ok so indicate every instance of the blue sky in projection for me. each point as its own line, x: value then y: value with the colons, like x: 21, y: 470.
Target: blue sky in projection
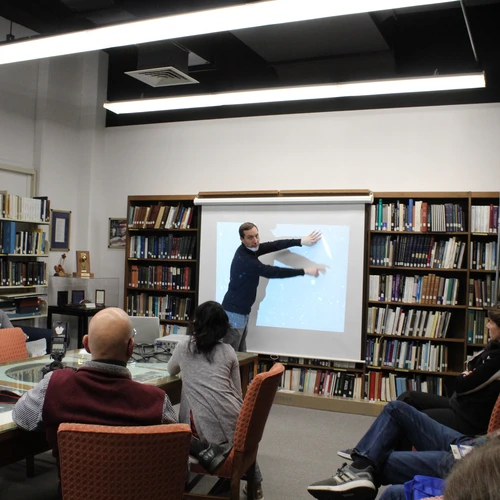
x: 303, y: 302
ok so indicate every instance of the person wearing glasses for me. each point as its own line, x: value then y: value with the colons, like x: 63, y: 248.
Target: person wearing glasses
x: 100, y: 392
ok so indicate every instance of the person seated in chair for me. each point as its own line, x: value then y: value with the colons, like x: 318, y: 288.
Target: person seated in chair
x: 211, y: 395
x: 32, y: 332
x: 467, y: 479
x: 101, y: 391
x: 376, y: 462
x: 469, y: 408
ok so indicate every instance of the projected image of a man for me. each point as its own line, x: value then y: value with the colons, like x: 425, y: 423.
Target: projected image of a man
x: 246, y: 269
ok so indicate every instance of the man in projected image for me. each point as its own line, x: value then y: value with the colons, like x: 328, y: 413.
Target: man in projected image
x: 246, y: 269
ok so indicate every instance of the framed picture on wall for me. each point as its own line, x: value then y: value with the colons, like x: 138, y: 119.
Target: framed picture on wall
x: 60, y: 230
x: 117, y: 232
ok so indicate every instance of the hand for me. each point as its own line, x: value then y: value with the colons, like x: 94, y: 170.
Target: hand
x: 311, y: 239
x: 312, y: 271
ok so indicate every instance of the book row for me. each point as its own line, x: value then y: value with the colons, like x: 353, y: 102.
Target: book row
x: 407, y: 355
x: 318, y: 362
x: 21, y: 307
x: 162, y: 247
x: 484, y: 219
x: 22, y: 273
x: 482, y: 291
x: 16, y: 207
x: 322, y: 382
x: 477, y: 333
x: 160, y: 216
x: 417, y: 216
x: 412, y: 322
x: 428, y: 289
x: 160, y: 277
x: 168, y: 307
x: 416, y: 251
x: 387, y: 388
x: 32, y: 242
x: 483, y: 256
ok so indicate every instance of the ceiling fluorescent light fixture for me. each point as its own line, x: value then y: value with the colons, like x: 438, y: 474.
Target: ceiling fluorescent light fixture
x: 380, y: 87
x: 196, y: 23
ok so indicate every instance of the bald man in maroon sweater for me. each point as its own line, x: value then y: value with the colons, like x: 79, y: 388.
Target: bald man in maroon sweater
x: 100, y: 392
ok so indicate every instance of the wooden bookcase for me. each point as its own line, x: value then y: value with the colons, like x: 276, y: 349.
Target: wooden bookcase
x: 423, y: 318
x: 24, y: 243
x: 161, y: 268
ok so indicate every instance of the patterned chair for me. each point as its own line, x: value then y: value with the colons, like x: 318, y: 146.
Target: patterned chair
x: 248, y: 434
x: 12, y: 345
x: 124, y: 463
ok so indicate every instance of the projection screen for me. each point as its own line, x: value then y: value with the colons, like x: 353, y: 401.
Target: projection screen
x: 302, y: 316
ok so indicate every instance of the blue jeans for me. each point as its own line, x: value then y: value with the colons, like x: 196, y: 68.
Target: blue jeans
x: 430, y: 438
x: 395, y: 492
x: 237, y: 334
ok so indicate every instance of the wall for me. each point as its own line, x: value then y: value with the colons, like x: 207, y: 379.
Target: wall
x: 452, y: 148
x: 52, y: 120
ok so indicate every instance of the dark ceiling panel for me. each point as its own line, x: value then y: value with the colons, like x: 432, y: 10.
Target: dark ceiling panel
x: 405, y: 42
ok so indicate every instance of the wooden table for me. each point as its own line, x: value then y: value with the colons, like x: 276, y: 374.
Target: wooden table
x: 16, y: 444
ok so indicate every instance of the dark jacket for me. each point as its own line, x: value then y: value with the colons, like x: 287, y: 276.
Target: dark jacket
x: 246, y: 269
x: 475, y: 394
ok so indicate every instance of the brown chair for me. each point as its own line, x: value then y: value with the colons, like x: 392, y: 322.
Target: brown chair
x: 123, y: 463
x: 247, y: 436
x: 12, y: 345
x: 495, y: 417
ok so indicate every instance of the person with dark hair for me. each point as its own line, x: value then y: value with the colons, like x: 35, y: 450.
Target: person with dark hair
x: 246, y: 270
x: 469, y: 408
x: 211, y: 395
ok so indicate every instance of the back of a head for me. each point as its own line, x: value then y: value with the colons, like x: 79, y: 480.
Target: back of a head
x: 109, y: 334
x: 209, y: 326
x: 477, y: 475
x: 494, y: 314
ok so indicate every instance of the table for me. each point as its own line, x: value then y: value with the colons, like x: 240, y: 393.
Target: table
x: 16, y: 444
x: 81, y: 312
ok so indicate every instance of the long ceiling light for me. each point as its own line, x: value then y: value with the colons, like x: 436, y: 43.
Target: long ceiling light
x: 379, y: 87
x: 195, y: 23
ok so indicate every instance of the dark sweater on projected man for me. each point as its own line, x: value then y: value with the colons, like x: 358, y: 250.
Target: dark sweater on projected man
x: 246, y: 269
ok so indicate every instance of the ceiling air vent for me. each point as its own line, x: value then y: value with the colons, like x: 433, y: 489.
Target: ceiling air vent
x: 162, y: 77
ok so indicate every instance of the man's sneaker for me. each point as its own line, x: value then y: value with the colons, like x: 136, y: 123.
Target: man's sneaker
x: 258, y: 495
x: 351, y: 483
x: 345, y: 454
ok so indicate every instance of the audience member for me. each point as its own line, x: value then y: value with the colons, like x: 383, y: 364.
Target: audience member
x: 376, y: 462
x: 100, y: 392
x: 476, y: 389
x: 211, y: 396
x: 467, y: 479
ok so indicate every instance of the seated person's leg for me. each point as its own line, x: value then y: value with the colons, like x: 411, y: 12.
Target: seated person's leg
x: 402, y: 466
x: 395, y: 492
x: 423, y: 400
x: 35, y: 333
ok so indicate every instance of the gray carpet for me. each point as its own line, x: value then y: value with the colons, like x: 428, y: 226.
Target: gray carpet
x: 298, y: 448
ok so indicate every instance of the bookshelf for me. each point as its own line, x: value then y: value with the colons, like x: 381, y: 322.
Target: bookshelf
x: 432, y: 273
x: 161, y: 268
x: 24, y: 244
